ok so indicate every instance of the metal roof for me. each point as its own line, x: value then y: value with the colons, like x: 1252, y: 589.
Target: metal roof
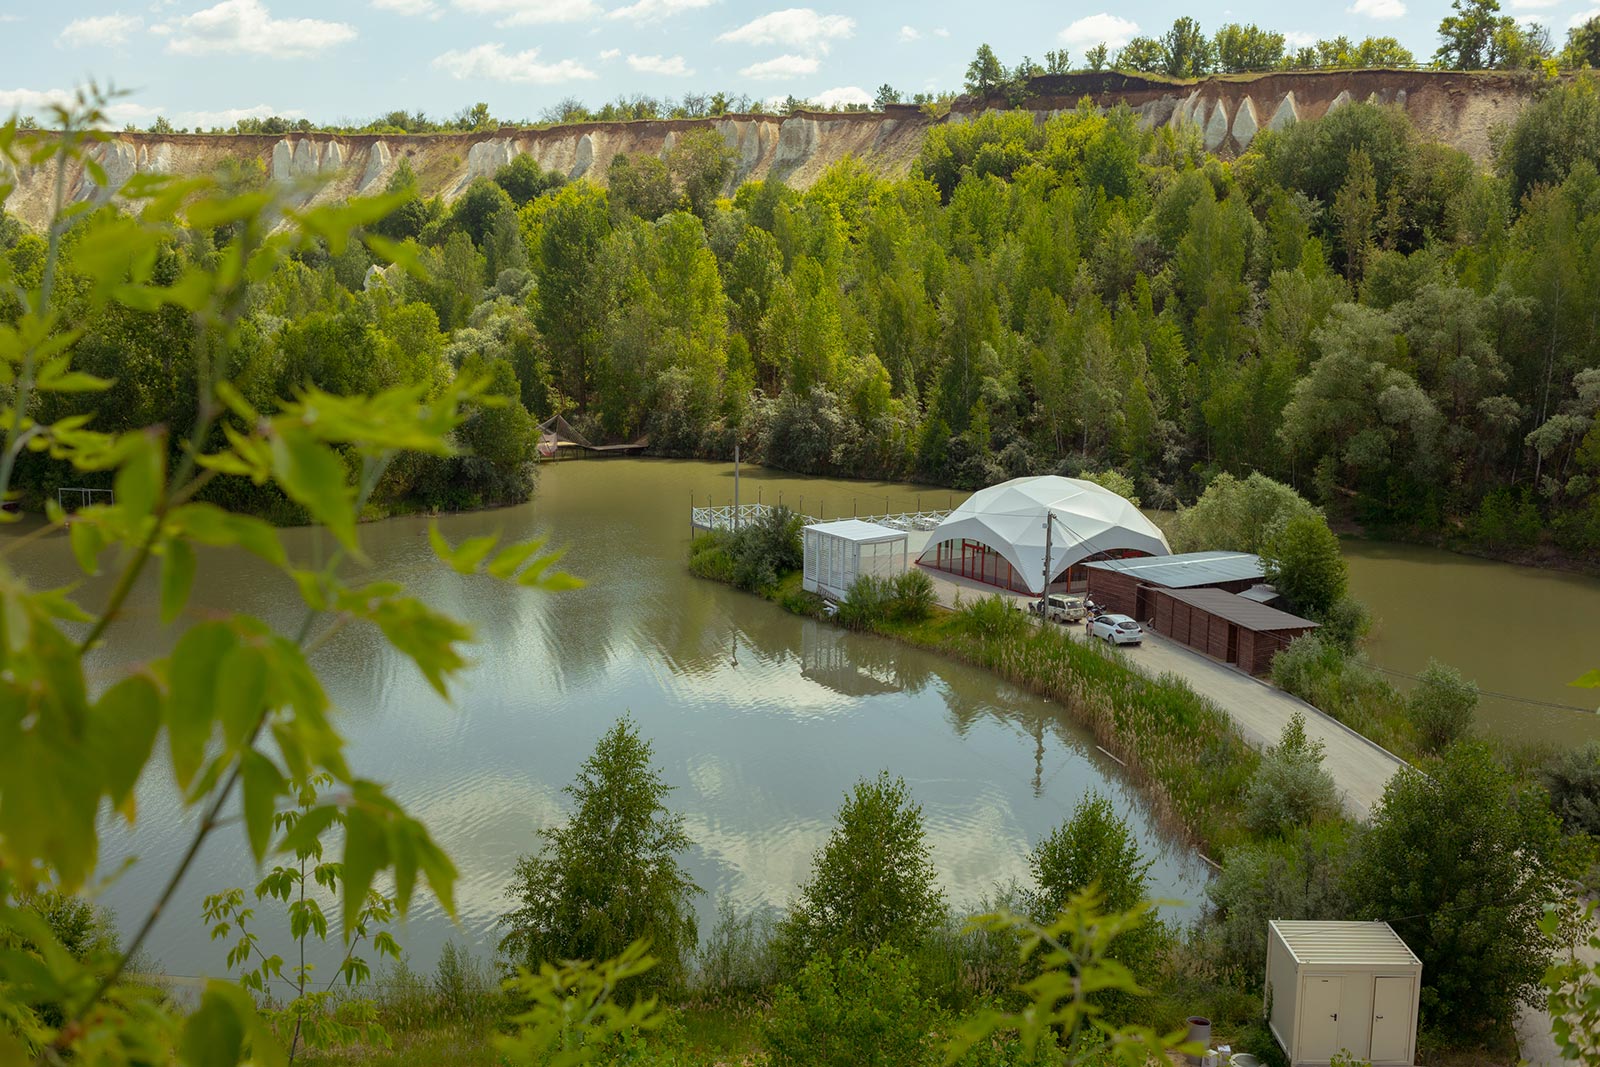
x: 862, y: 533
x: 1261, y: 594
x: 1236, y: 609
x: 1187, y: 569
x: 1320, y: 943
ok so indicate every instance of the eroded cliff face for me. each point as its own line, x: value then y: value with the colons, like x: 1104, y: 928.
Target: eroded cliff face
x: 1228, y: 111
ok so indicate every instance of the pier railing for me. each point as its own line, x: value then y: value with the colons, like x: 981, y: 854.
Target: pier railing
x: 732, y: 517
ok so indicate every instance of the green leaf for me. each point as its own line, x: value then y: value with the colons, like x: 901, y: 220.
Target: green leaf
x: 88, y: 540
x: 211, y: 525
x: 139, y: 481
x: 313, y: 476
x: 263, y: 785
x: 191, y: 709
x: 214, y: 1035
x: 264, y: 1048
x: 1588, y: 681
x: 465, y: 557
x: 366, y: 852
x: 241, y: 694
x: 504, y: 565
x: 122, y: 732
x: 177, y: 579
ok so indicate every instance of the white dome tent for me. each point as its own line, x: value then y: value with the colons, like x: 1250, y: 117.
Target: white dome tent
x: 997, y: 535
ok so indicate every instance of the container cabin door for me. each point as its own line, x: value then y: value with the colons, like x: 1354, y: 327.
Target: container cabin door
x: 1321, y: 996
x: 1391, y: 1020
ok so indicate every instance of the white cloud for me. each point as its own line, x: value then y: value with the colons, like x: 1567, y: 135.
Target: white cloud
x: 909, y: 33
x: 1583, y: 16
x: 799, y: 27
x: 1378, y: 9
x: 651, y: 10
x: 38, y: 102
x: 531, y: 12
x: 781, y: 67
x: 610, y: 53
x: 1533, y: 5
x: 1090, y: 30
x: 941, y: 32
x: 487, y: 61
x: 228, y: 116
x: 844, y: 94
x: 10, y: 18
x: 671, y: 66
x: 104, y: 30
x: 1294, y: 39
x: 409, y: 7
x: 246, y: 27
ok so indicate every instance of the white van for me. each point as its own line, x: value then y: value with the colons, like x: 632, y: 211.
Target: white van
x: 1059, y: 608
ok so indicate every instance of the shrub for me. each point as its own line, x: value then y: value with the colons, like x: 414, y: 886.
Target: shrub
x: 462, y: 987
x: 872, y: 883
x: 1298, y: 878
x: 611, y: 875
x: 853, y: 1010
x: 1290, y: 788
x: 1442, y: 705
x: 1572, y: 778
x: 1238, y: 515
x: 1464, y: 860
x: 1345, y: 624
x: 867, y: 603
x: 766, y: 549
x: 914, y: 597
x: 992, y: 618
x: 738, y: 958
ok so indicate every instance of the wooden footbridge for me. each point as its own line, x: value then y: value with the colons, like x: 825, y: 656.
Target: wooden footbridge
x: 556, y: 435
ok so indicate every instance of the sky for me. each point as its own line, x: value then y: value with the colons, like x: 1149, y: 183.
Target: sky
x: 204, y: 63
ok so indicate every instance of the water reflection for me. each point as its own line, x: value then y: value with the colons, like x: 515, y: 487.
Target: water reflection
x: 760, y: 720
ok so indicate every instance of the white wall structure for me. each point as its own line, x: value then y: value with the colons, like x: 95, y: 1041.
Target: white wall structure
x: 1342, y: 987
x: 836, y: 553
x: 997, y: 535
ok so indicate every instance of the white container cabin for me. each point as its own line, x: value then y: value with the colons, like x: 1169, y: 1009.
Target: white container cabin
x: 1350, y: 988
x: 836, y: 553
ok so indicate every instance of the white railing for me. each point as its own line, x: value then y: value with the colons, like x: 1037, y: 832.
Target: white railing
x: 71, y: 498
x: 730, y: 517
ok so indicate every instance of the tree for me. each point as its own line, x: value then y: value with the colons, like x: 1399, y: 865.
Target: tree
x: 1095, y: 57
x: 1441, y: 706
x: 1057, y: 61
x: 701, y: 162
x: 640, y: 185
x: 1095, y: 848
x: 1583, y: 45
x: 610, y: 876
x: 1572, y: 778
x: 1238, y: 515
x: 887, y: 94
x: 1463, y: 861
x: 1301, y: 876
x: 525, y: 181
x: 1468, y: 38
x: 1185, y: 50
x: 984, y: 72
x: 872, y: 883
x: 1356, y: 209
x: 1240, y: 48
x: 1304, y: 563
x: 1142, y: 54
x: 1290, y: 788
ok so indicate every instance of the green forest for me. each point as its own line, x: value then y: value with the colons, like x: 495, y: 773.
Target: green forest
x: 1407, y: 339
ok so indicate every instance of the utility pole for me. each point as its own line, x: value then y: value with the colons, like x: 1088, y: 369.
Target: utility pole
x: 1047, y: 518
x: 736, y: 484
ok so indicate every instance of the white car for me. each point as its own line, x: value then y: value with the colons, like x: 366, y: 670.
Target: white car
x: 1116, y: 630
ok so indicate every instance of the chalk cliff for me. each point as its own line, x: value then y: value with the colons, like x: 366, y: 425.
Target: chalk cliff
x: 1228, y: 111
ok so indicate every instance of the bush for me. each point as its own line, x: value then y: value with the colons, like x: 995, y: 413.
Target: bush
x: 1290, y: 788
x: 872, y: 883
x: 993, y: 618
x: 853, y: 1010
x: 1298, y: 878
x: 611, y: 875
x: 765, y: 550
x: 462, y: 987
x: 1093, y: 848
x: 1345, y: 624
x: 867, y: 603
x: 1572, y: 778
x: 1238, y: 515
x: 738, y: 958
x: 1442, y: 706
x: 914, y: 597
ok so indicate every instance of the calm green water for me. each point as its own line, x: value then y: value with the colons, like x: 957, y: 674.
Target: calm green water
x: 760, y: 720
x: 1518, y: 631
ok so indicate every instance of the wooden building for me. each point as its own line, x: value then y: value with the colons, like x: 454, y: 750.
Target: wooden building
x: 1124, y: 585
x: 1227, y: 627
